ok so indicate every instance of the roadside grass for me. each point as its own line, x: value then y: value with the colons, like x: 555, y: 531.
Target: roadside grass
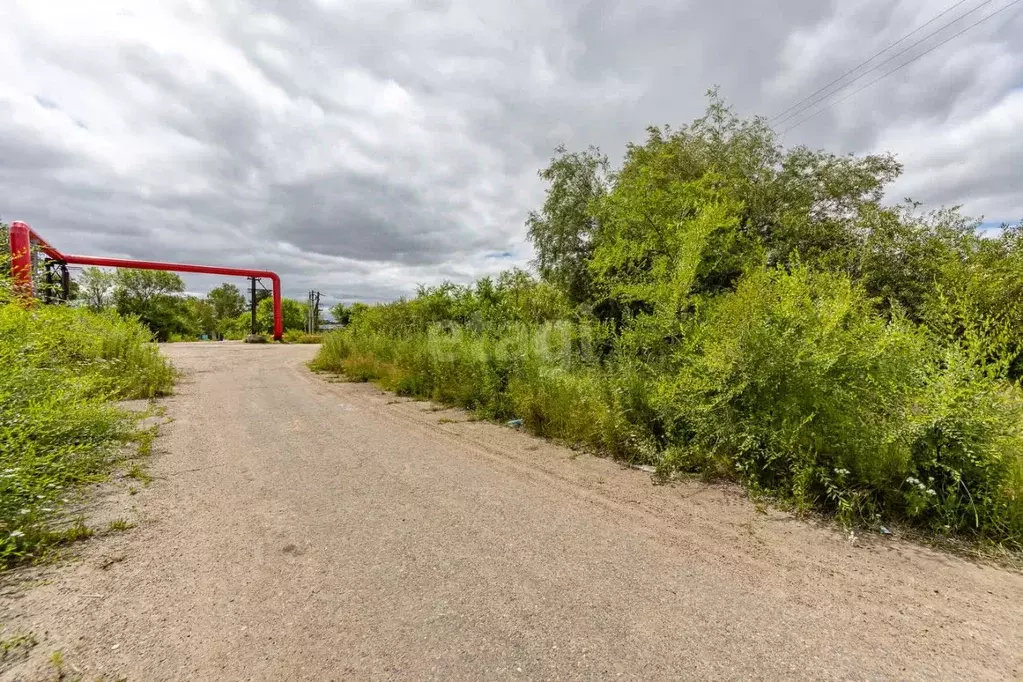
x: 295, y: 336
x: 63, y: 371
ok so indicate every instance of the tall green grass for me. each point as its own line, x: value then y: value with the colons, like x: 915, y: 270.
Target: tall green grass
x: 792, y: 383
x: 61, y: 371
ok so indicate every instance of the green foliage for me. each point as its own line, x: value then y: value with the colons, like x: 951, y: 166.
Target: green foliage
x: 723, y: 306
x: 978, y: 299
x: 139, y: 287
x: 292, y: 311
x: 794, y: 201
x: 238, y: 327
x: 227, y: 301
x: 563, y: 231
x: 202, y: 317
x: 95, y: 288
x: 796, y: 381
x: 152, y: 297
x: 228, y: 304
x: 61, y: 368
x: 341, y: 313
x: 657, y: 235
x: 296, y: 336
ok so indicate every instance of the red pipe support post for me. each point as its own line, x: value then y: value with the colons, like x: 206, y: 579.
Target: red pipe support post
x: 21, y: 258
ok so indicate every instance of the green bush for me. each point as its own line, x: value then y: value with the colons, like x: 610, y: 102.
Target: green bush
x: 801, y: 386
x: 61, y: 370
x: 794, y: 370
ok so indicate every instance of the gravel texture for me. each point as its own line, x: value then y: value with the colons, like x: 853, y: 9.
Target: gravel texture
x: 299, y: 529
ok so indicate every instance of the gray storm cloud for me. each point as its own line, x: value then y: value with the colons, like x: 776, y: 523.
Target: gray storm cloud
x: 362, y: 147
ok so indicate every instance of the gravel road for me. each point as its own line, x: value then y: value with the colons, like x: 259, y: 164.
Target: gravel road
x: 299, y: 529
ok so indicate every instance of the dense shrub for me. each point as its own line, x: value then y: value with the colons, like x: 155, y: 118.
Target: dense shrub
x: 801, y: 386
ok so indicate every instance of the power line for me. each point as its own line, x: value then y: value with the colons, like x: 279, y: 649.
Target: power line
x: 899, y: 67
x: 870, y: 59
x: 898, y: 54
x: 782, y: 119
x: 1008, y: 20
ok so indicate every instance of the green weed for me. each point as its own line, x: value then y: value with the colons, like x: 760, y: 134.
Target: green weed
x: 137, y: 472
x: 119, y: 525
x: 60, y: 427
x: 16, y: 646
x: 144, y: 438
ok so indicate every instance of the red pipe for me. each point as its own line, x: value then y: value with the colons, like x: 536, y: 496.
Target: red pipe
x: 22, y: 267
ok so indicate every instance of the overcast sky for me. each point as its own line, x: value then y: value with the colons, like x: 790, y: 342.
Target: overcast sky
x: 360, y: 147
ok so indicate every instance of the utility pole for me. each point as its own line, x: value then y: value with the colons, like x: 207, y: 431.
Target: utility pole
x: 312, y: 312
x: 253, y: 305
x: 316, y: 314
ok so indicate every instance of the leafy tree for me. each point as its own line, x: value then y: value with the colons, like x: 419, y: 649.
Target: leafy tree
x: 239, y: 327
x: 563, y: 231
x: 901, y: 255
x: 519, y: 296
x: 227, y: 301
x: 976, y: 299
x: 356, y: 309
x: 95, y: 287
x: 665, y: 239
x: 203, y: 316
x: 151, y: 296
x: 815, y: 203
x: 799, y: 201
x: 341, y: 313
x: 228, y: 304
x: 292, y: 311
x: 139, y: 287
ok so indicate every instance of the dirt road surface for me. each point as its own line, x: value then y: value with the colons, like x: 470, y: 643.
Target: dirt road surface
x: 299, y: 529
